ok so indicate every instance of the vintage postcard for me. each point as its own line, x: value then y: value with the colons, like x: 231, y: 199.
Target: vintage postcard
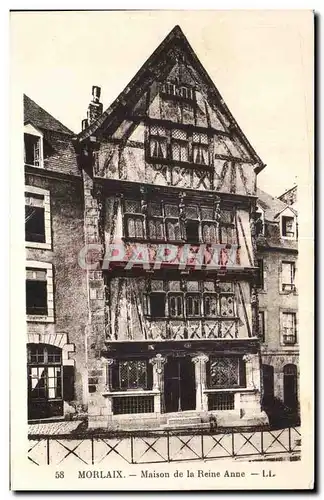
x: 162, y: 233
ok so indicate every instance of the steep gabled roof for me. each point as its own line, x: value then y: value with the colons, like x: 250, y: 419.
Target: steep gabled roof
x: 294, y: 188
x: 271, y: 205
x: 40, y: 118
x: 152, y: 67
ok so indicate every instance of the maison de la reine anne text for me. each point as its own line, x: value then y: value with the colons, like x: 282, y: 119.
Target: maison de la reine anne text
x: 184, y: 311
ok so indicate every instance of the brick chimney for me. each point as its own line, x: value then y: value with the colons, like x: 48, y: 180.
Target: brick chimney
x: 95, y: 106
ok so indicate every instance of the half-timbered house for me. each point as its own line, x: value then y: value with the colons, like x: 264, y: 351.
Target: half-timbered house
x: 169, y: 183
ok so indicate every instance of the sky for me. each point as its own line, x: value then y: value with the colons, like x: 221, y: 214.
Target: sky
x: 260, y: 61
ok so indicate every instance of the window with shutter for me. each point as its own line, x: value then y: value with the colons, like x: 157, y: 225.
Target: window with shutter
x: 37, y: 218
x: 36, y: 292
x: 34, y: 218
x: 289, y: 328
x: 262, y: 325
x: 260, y: 275
x: 288, y: 276
x: 39, y: 292
x: 32, y: 150
x: 288, y: 227
x: 45, y: 377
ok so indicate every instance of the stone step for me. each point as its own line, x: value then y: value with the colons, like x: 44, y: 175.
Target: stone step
x: 184, y: 420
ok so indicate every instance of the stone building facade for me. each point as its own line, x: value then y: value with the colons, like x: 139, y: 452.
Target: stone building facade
x: 56, y: 298
x: 152, y: 262
x: 278, y: 305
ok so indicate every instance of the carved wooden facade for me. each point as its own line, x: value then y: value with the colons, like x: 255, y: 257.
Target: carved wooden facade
x: 170, y: 196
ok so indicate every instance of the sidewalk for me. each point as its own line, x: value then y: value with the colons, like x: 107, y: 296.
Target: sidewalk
x: 53, y: 428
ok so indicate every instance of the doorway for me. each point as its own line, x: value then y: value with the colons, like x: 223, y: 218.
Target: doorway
x: 290, y: 387
x: 268, y: 384
x: 179, y: 385
x: 45, y: 374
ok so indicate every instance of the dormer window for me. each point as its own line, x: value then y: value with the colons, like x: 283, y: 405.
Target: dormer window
x: 259, y: 221
x: 33, y: 146
x: 32, y: 150
x: 287, y: 227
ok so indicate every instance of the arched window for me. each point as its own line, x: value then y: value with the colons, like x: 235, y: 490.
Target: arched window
x: 290, y: 387
x: 45, y: 381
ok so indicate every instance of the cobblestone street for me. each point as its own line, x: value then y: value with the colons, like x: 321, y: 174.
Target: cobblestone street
x: 53, y: 428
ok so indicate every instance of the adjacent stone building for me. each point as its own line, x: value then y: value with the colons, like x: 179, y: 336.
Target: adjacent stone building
x: 277, y: 245
x: 142, y: 304
x: 56, y: 292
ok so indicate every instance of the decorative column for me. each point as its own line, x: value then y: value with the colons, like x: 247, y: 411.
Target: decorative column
x: 158, y: 380
x: 200, y: 378
x: 252, y: 371
x: 251, y: 402
x: 107, y: 363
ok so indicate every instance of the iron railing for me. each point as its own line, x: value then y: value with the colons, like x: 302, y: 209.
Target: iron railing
x: 161, y: 446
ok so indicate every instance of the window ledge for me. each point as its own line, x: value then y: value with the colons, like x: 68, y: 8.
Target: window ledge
x: 39, y: 319
x: 41, y: 246
x: 139, y: 392
x: 35, y: 166
x: 235, y: 389
x: 181, y: 164
x: 198, y: 318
